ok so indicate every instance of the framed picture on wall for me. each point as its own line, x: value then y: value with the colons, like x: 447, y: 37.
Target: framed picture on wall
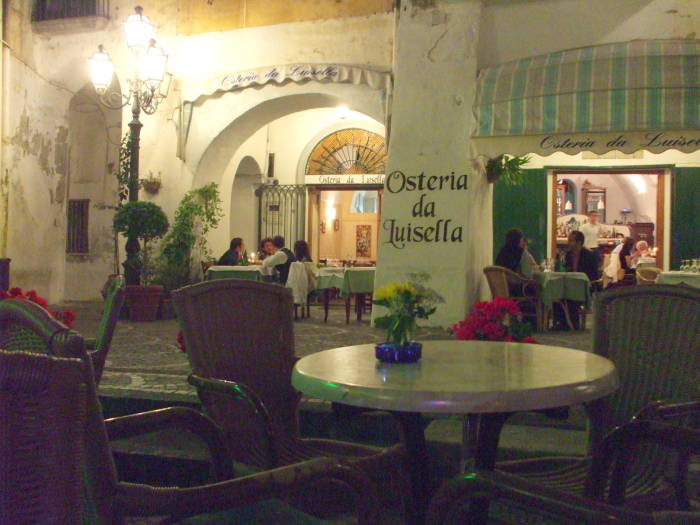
x: 363, y: 240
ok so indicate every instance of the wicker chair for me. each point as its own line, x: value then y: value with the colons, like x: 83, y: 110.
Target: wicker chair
x: 652, y: 334
x: 240, y: 342
x: 26, y: 326
x: 99, y: 346
x: 501, y: 280
x: 49, y: 405
x: 648, y: 275
x: 512, y: 499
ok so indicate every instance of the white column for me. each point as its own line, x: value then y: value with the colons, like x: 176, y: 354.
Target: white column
x: 431, y: 222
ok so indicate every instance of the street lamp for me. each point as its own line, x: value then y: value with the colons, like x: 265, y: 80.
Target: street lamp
x: 146, y: 89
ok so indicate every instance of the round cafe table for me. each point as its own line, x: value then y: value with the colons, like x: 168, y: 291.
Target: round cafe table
x: 489, y: 380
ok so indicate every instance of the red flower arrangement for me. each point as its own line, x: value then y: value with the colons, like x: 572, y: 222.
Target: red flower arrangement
x: 65, y: 316
x: 487, y: 322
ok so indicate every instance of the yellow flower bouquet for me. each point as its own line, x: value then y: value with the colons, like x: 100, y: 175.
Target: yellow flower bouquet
x: 406, y: 302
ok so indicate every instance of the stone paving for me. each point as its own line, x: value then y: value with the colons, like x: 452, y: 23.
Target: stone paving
x: 145, y: 360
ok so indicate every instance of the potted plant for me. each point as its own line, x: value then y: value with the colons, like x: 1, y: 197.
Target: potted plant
x: 497, y: 320
x: 146, y: 222
x: 152, y: 183
x: 507, y: 168
x: 405, y: 303
x: 198, y: 212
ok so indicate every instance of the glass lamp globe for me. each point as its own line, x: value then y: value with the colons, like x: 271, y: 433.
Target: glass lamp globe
x: 101, y: 70
x: 152, y: 66
x: 139, y: 30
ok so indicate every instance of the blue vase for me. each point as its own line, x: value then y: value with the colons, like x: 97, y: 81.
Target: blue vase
x: 392, y: 353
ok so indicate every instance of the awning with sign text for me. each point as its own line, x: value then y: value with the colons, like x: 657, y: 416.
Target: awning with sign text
x: 639, y: 95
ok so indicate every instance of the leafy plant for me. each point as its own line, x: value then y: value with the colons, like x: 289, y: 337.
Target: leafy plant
x: 151, y: 183
x: 198, y: 212
x: 123, y: 173
x: 145, y: 221
x: 496, y: 320
x: 406, y: 302
x: 506, y: 168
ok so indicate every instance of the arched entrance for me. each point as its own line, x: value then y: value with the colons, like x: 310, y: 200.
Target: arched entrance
x: 243, y: 208
x: 94, y: 138
x: 220, y: 158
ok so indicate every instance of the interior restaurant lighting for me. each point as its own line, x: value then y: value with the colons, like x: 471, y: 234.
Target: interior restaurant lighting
x: 568, y: 206
x: 601, y: 205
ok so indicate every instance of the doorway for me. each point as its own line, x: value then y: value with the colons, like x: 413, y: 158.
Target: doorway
x: 629, y: 203
x: 344, y: 223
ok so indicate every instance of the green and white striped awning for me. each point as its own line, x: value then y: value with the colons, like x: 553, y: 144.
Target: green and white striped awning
x: 643, y: 94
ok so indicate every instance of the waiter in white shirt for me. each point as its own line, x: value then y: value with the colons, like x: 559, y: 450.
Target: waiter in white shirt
x: 591, y: 232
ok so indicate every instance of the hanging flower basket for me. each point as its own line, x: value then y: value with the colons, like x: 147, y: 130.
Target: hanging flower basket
x: 151, y: 185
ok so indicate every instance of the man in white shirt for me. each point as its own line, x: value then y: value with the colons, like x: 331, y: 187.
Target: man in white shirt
x: 279, y: 258
x: 591, y: 232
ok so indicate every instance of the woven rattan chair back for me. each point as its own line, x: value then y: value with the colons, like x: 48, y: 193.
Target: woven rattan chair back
x: 497, y: 277
x: 242, y: 331
x: 105, y: 331
x: 26, y: 326
x: 652, y: 334
x: 42, y: 421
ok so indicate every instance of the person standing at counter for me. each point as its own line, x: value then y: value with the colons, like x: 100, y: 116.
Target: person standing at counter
x: 591, y: 232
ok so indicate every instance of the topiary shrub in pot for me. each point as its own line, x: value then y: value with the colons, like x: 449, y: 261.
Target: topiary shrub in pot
x: 144, y: 221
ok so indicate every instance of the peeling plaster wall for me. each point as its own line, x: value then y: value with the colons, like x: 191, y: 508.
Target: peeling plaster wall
x: 35, y: 154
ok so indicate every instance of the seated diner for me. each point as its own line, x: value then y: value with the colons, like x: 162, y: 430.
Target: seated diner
x: 234, y: 255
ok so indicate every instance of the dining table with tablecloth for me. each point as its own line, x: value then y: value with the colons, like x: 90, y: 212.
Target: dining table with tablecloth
x: 353, y: 281
x: 249, y: 273
x: 675, y: 277
x: 556, y: 287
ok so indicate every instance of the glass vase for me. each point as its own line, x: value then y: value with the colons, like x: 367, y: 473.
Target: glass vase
x: 390, y: 352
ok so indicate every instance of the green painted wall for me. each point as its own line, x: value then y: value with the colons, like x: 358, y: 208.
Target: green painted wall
x: 685, y: 215
x: 523, y: 207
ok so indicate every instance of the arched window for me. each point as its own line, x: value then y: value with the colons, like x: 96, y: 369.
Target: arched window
x: 348, y: 151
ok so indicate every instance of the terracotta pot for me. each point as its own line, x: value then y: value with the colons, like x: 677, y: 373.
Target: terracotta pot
x: 166, y: 310
x: 143, y: 302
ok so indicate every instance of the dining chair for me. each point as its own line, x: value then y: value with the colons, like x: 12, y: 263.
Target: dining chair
x: 58, y: 467
x: 100, y: 345
x: 648, y: 275
x: 24, y: 325
x: 497, y: 497
x: 298, y: 283
x: 240, y: 343
x: 652, y: 334
x: 502, y: 280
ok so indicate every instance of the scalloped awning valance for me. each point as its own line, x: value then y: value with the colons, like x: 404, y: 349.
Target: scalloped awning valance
x: 643, y: 94
x: 344, y: 73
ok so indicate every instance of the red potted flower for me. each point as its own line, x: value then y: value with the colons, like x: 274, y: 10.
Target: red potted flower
x: 497, y: 320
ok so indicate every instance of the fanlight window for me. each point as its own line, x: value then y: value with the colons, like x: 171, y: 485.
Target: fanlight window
x: 348, y: 151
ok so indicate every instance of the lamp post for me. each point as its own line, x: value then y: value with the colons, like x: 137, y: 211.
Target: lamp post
x: 147, y: 87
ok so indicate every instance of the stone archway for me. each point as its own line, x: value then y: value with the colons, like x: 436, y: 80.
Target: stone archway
x: 94, y: 137
x: 263, y: 106
x: 243, y: 208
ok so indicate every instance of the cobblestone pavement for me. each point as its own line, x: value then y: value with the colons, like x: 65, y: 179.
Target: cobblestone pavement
x: 145, y: 360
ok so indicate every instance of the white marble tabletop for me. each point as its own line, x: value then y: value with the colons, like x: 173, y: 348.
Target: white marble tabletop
x: 458, y: 377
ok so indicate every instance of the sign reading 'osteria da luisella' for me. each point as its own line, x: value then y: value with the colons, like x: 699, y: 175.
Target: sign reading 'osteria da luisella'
x: 428, y: 223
